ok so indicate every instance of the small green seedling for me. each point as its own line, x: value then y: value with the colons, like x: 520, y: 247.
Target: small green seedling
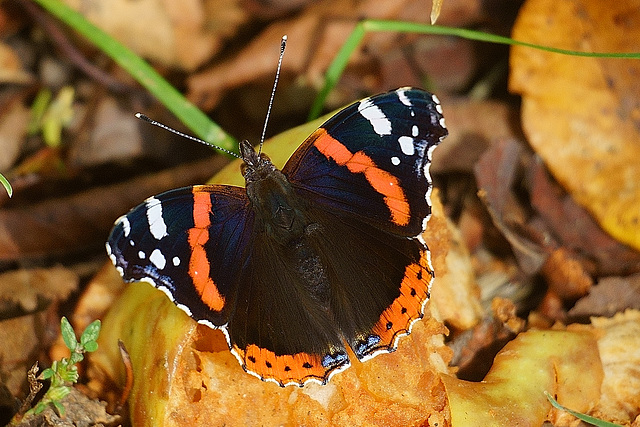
x: 50, y: 115
x: 64, y: 373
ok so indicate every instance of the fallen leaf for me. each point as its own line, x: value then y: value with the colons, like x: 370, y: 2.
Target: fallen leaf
x: 619, y: 347
x: 582, y: 115
x: 317, y: 33
x: 402, y: 387
x: 496, y: 173
x: 22, y: 337
x: 562, y: 363
x: 474, y: 349
x: 115, y: 136
x: 610, y: 296
x: 11, y: 70
x: 184, y: 34
x: 598, y: 252
x: 565, y: 275
x: 29, y: 301
x: 13, y: 129
x: 79, y: 410
x: 473, y: 127
x: 57, y: 116
x: 74, y: 222
x: 30, y: 290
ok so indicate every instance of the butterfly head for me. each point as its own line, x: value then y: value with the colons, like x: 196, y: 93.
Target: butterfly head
x: 256, y: 166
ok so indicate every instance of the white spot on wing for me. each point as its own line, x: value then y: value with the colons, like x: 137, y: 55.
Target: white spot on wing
x: 395, y: 161
x: 442, y: 123
x: 158, y: 259
x: 402, y: 96
x: 142, y: 255
x: 375, y: 116
x: 126, y: 225
x: 414, y: 130
x: 154, y: 217
x: 176, y: 261
x: 406, y: 145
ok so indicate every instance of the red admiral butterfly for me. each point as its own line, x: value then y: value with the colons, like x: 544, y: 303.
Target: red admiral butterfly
x: 326, y: 253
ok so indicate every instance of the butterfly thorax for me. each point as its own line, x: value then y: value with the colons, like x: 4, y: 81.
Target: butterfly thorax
x: 278, y: 210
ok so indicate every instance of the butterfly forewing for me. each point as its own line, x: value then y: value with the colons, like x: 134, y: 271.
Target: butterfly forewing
x: 189, y: 243
x: 371, y: 160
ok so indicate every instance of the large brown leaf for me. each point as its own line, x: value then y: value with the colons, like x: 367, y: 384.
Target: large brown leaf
x: 582, y: 115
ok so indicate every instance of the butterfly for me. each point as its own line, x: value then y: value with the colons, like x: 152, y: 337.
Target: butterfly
x: 305, y: 261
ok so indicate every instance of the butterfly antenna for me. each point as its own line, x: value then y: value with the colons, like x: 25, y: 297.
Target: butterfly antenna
x: 184, y: 135
x: 283, y: 44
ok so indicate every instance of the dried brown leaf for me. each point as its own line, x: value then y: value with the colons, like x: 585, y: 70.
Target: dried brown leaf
x: 565, y: 275
x: 611, y: 295
x: 73, y: 222
x: 473, y: 127
x: 619, y: 347
x: 496, y: 173
x: 21, y: 338
x: 184, y: 34
x: 114, y: 136
x: 597, y: 251
x: 11, y: 70
x: 79, y: 410
x: 29, y: 289
x: 582, y: 115
x: 13, y: 129
x: 317, y: 33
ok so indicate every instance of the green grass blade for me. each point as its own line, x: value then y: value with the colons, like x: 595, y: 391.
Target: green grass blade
x: 6, y: 184
x: 184, y: 110
x: 335, y: 69
x: 339, y: 63
x: 586, y: 418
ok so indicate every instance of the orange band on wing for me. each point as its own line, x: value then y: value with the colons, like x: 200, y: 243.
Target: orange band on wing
x: 284, y: 369
x: 396, y: 320
x: 381, y: 181
x: 199, y: 267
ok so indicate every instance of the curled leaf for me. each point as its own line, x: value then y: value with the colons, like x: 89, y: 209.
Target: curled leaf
x: 565, y: 363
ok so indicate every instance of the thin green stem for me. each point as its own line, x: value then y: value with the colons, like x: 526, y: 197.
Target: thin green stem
x: 339, y: 63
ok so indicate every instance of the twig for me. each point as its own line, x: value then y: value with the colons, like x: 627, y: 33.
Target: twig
x: 34, y: 387
x: 62, y: 42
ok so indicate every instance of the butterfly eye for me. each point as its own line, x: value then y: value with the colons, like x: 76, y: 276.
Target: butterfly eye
x: 265, y: 157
